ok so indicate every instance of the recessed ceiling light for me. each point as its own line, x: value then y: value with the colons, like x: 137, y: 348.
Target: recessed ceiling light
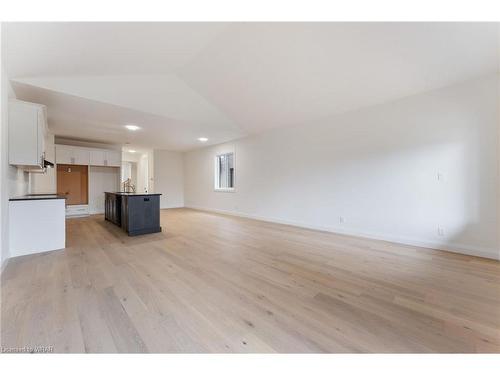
x: 203, y: 139
x: 132, y: 151
x: 132, y: 127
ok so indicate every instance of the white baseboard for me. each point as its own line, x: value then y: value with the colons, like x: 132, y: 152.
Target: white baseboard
x: 80, y: 210
x: 483, y: 252
x: 4, y: 264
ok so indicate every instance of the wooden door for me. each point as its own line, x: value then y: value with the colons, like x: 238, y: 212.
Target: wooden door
x: 72, y: 181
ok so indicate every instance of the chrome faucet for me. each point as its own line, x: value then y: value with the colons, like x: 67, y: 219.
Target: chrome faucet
x: 128, y: 186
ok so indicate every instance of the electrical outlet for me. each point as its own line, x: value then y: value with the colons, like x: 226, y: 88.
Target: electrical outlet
x: 341, y: 219
x: 440, y: 231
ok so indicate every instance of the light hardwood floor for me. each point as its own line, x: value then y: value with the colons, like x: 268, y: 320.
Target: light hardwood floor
x: 213, y: 283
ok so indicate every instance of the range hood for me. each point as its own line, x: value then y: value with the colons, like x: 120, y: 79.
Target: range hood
x: 46, y: 164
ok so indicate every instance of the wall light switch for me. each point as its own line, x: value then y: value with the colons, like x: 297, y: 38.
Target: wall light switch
x: 440, y: 231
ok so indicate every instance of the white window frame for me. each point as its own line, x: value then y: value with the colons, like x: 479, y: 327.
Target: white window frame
x: 217, y: 174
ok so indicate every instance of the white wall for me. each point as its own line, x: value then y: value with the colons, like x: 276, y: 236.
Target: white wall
x: 169, y: 178
x: 12, y: 181
x: 129, y: 170
x: 141, y: 169
x: 142, y: 174
x: 4, y: 207
x: 18, y: 179
x: 101, y: 179
x: 151, y: 173
x: 377, y: 168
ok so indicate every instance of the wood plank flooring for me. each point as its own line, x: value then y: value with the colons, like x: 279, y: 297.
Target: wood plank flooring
x: 214, y: 283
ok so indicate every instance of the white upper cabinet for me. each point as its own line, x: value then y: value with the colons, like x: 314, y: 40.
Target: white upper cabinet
x: 72, y: 155
x: 81, y: 156
x: 87, y: 156
x: 113, y: 158
x: 27, y: 130
x: 105, y: 158
x: 64, y: 154
x: 96, y: 157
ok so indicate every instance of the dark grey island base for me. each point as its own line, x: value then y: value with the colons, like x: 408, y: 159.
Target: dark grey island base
x: 134, y: 212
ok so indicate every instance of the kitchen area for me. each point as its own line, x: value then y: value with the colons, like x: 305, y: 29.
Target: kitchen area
x: 67, y: 179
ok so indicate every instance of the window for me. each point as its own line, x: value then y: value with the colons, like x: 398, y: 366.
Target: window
x: 224, y: 172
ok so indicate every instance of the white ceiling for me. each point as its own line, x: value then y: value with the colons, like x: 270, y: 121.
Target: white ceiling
x: 81, y: 118
x: 100, y: 48
x: 181, y: 81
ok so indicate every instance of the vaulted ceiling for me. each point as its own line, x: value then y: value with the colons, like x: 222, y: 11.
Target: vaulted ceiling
x: 181, y: 81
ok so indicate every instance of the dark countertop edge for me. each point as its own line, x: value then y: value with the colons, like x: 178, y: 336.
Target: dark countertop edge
x: 37, y: 197
x: 131, y: 194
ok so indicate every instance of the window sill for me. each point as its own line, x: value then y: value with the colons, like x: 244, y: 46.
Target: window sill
x: 224, y: 190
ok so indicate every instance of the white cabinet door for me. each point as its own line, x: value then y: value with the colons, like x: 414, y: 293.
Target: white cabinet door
x: 36, y: 226
x: 72, y: 155
x: 113, y: 159
x: 82, y: 156
x: 42, y: 131
x: 64, y: 155
x: 85, y: 156
x: 97, y: 157
x: 26, y: 134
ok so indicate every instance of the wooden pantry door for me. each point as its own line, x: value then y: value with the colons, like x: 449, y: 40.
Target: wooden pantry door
x: 72, y: 181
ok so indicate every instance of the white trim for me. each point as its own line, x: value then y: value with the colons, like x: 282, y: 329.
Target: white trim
x: 77, y: 210
x: 225, y: 190
x: 4, y: 264
x: 484, y: 252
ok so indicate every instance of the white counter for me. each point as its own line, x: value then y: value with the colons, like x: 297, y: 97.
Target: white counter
x: 36, y: 224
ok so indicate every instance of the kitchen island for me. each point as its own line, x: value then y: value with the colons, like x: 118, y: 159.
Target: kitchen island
x: 135, y: 213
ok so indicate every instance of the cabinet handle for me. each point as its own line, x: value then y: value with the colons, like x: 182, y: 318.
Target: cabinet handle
x: 105, y: 162
x: 72, y: 160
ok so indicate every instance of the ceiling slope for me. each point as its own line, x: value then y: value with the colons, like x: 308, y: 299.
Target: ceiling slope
x: 270, y: 75
x: 181, y: 81
x: 80, y: 118
x: 162, y: 95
